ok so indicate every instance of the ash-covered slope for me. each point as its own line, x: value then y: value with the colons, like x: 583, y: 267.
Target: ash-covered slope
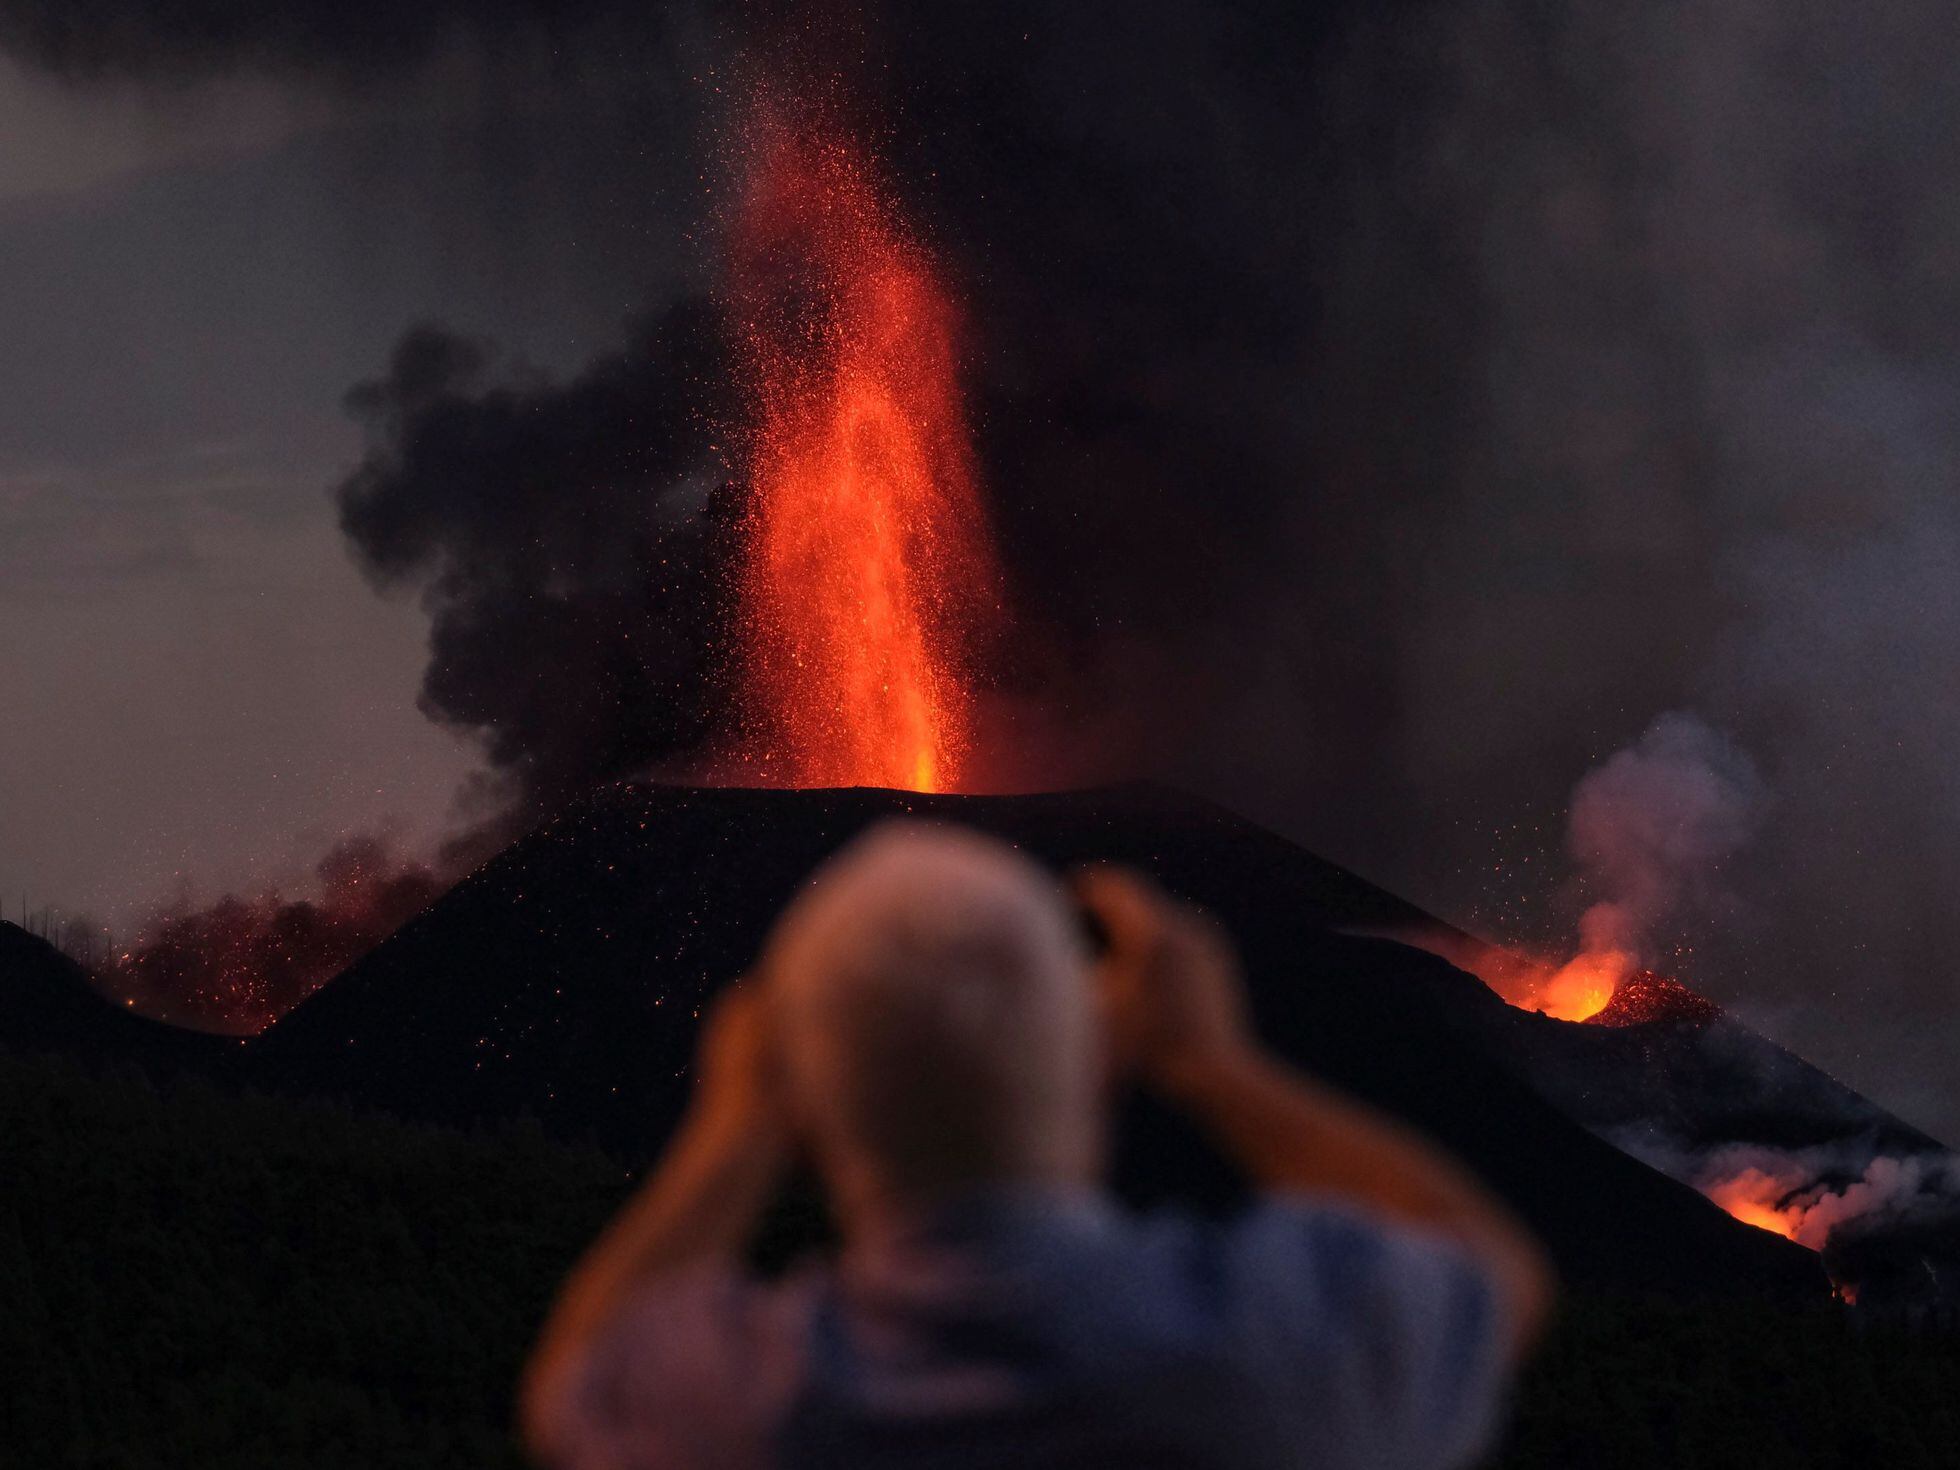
x: 1663, y: 1060
x: 565, y: 978
x: 1670, y: 1077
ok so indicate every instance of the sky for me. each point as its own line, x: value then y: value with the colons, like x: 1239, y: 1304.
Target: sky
x: 197, y: 687
x: 1392, y: 416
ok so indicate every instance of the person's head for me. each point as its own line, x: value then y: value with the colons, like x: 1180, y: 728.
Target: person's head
x: 936, y: 1021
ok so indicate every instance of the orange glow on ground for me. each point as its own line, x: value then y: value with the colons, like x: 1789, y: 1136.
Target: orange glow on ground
x: 1579, y: 989
x: 1576, y: 990
x: 1752, y: 1197
x: 868, y: 566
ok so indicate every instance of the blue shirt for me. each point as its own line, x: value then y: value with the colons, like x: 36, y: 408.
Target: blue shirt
x: 1036, y: 1329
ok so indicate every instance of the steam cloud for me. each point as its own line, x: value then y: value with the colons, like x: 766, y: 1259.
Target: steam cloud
x: 1813, y: 1194
x: 1383, y: 407
x: 1651, y: 830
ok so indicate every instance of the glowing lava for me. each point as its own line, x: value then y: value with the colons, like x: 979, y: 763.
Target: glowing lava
x: 1581, y: 988
x: 1754, y: 1198
x: 1577, y: 990
x: 868, y: 570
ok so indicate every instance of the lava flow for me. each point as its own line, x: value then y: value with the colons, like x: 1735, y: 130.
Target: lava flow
x: 867, y: 572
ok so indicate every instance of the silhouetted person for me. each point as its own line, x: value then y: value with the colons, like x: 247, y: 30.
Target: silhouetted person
x: 928, y: 1022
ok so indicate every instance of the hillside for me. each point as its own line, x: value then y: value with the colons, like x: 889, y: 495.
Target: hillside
x: 193, y: 1280
x: 564, y: 979
x: 48, y: 1005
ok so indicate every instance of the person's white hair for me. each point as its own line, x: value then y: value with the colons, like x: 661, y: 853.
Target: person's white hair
x: 935, y: 1016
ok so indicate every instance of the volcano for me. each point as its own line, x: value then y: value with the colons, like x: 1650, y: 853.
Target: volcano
x: 564, y: 979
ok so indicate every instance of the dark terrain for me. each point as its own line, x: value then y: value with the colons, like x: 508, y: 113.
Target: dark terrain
x: 339, y: 1234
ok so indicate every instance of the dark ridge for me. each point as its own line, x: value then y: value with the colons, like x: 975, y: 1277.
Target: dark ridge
x: 48, y: 1004
x: 564, y: 978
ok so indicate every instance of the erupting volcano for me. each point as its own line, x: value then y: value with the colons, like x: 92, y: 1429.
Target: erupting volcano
x: 867, y: 571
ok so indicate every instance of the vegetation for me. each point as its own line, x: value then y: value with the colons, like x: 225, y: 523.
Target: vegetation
x: 194, y: 1279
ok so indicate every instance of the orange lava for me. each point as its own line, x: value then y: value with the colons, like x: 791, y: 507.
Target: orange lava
x: 1577, y: 990
x: 1753, y: 1197
x: 1580, y: 989
x: 868, y: 570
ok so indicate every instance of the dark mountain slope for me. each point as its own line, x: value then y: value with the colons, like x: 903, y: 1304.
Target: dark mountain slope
x: 48, y: 1005
x: 565, y: 977
x: 1664, y: 1060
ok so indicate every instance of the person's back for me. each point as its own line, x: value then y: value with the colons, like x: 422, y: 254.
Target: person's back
x: 927, y: 1027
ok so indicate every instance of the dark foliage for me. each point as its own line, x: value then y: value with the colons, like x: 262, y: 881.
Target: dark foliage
x: 196, y: 1280
x: 563, y: 979
x: 193, y: 1278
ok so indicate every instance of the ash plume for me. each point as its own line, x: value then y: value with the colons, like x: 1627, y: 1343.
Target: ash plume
x: 567, y: 545
x: 1387, y: 408
x: 174, y: 38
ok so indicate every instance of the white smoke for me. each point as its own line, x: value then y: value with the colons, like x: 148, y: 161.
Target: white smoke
x: 1651, y: 830
x: 1813, y: 1192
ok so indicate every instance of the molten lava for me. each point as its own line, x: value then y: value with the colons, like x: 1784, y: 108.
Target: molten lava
x: 868, y: 573
x: 1755, y: 1198
x: 1577, y: 990
x: 1583, y: 986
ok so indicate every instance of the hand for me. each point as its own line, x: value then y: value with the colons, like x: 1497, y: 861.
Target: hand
x: 1172, y: 999
x: 737, y: 1063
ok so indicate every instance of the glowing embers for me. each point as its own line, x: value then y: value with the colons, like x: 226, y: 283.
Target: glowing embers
x: 867, y: 571
x: 1645, y: 998
x: 1576, y: 990
x: 239, y: 964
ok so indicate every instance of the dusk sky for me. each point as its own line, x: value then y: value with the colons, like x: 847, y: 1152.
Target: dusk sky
x: 1386, y: 428
x: 198, y: 685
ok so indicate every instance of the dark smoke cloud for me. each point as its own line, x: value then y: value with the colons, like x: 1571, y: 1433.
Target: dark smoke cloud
x: 172, y: 38
x: 1389, y: 410
x: 567, y: 544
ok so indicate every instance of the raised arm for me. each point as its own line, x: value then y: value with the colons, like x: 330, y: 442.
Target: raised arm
x: 1177, y: 1021
x: 702, y: 1202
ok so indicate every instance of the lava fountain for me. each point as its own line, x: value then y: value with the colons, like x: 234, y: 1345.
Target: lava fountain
x: 867, y: 573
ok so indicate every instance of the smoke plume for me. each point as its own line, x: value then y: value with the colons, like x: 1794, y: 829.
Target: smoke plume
x: 566, y: 544
x: 1651, y: 831
x: 1384, y: 409
x: 1813, y: 1194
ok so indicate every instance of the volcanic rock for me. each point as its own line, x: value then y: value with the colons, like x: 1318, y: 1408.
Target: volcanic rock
x: 1647, y: 999
x: 564, y: 979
